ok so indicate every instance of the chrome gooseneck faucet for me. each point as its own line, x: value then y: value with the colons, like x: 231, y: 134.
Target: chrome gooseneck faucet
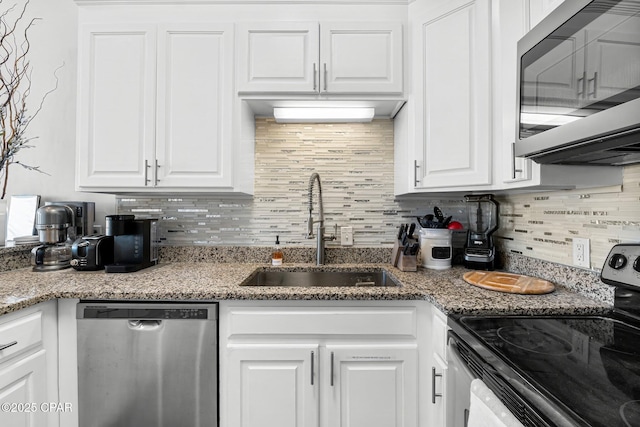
x: 321, y: 238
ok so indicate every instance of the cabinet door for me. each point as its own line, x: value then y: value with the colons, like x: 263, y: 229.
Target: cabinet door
x: 195, y: 100
x: 116, y: 105
x: 454, y: 49
x: 23, y: 388
x: 369, y: 385
x: 272, y: 385
x: 278, y: 57
x: 361, y: 57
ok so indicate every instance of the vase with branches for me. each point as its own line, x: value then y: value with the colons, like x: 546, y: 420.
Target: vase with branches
x: 15, y: 88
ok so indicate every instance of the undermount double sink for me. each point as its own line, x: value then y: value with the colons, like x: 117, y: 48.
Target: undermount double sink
x: 320, y: 278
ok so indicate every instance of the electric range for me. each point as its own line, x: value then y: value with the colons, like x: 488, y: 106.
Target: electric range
x: 564, y: 370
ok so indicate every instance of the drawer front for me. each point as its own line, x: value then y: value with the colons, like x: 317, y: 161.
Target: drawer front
x: 19, y: 335
x: 395, y: 321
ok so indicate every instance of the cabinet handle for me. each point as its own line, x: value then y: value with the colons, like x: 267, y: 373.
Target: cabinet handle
x: 433, y: 385
x: 581, y: 85
x: 416, y: 166
x: 331, y: 371
x: 315, y: 76
x: 595, y: 85
x: 146, y: 173
x: 312, y: 369
x: 513, y: 161
x: 6, y: 346
x: 325, y: 76
x: 155, y: 176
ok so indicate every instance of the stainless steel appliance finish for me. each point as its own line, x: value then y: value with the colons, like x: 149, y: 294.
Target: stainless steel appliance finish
x: 578, y: 97
x: 53, y: 222
x: 320, y: 278
x: 564, y: 370
x: 147, y: 364
x: 83, y: 217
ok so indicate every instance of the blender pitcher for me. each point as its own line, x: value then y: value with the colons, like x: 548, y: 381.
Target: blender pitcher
x: 479, y: 250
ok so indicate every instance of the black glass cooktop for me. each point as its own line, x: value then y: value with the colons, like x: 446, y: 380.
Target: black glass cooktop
x: 588, y: 366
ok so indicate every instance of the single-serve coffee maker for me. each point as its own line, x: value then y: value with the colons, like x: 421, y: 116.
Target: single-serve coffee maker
x: 58, y: 225
x: 135, y: 243
x: 479, y: 250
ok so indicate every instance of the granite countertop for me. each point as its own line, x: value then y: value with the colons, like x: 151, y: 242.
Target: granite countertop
x: 221, y: 281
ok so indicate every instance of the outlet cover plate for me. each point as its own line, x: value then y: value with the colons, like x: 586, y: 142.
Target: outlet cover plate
x: 346, y: 236
x: 581, y: 252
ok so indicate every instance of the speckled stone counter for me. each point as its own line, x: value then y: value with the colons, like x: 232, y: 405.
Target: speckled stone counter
x: 222, y: 281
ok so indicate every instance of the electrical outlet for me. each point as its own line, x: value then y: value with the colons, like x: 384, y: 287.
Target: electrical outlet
x: 581, y: 252
x: 346, y: 236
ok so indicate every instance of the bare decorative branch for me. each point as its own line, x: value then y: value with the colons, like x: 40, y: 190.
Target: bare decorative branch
x: 15, y: 87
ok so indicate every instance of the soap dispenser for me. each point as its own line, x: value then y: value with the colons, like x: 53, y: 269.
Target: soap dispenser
x: 276, y: 256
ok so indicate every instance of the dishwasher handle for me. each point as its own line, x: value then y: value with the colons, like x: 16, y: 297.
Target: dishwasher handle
x: 144, y: 325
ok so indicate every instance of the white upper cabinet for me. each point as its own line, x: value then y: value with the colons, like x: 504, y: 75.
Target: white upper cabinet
x: 278, y: 57
x: 317, y: 58
x: 193, y: 146
x: 361, y: 57
x: 116, y: 105
x: 449, y: 141
x: 155, y: 107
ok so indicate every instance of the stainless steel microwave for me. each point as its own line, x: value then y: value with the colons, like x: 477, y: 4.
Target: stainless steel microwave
x: 578, y: 95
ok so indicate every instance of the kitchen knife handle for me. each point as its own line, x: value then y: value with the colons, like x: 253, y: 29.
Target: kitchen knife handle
x: 6, y: 346
x: 433, y: 385
x: 325, y: 76
x: 312, y: 367
x: 331, y: 371
x: 315, y: 76
x: 415, y: 173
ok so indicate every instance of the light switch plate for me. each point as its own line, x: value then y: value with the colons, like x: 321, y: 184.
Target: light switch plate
x: 346, y: 236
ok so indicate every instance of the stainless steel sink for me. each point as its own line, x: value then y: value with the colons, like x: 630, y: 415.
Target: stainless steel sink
x: 320, y: 278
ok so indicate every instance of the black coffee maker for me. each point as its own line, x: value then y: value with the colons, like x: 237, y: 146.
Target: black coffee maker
x: 479, y: 250
x: 135, y: 243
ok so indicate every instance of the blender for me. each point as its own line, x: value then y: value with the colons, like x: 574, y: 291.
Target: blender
x: 56, y: 231
x: 479, y: 250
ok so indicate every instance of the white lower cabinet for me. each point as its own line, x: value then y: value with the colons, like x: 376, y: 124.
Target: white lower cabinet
x: 369, y: 385
x: 272, y: 385
x: 439, y: 371
x: 28, y: 368
x: 342, y: 371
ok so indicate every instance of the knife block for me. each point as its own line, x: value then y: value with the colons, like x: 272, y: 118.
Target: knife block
x: 402, y: 261
x: 408, y: 262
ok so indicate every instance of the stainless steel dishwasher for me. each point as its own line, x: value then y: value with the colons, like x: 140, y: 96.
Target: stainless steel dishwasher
x: 147, y: 364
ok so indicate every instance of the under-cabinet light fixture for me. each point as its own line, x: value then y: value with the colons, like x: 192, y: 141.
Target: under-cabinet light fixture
x: 323, y: 114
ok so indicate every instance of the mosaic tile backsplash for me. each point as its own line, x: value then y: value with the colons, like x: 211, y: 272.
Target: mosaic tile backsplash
x: 355, y: 163
x: 543, y: 225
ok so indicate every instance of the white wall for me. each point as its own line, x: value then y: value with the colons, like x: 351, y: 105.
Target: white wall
x: 53, y: 42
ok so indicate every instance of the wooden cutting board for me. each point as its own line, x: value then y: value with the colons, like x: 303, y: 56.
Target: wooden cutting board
x: 508, y: 282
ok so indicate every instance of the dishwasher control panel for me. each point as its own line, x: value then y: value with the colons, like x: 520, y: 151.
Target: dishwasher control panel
x: 146, y: 311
